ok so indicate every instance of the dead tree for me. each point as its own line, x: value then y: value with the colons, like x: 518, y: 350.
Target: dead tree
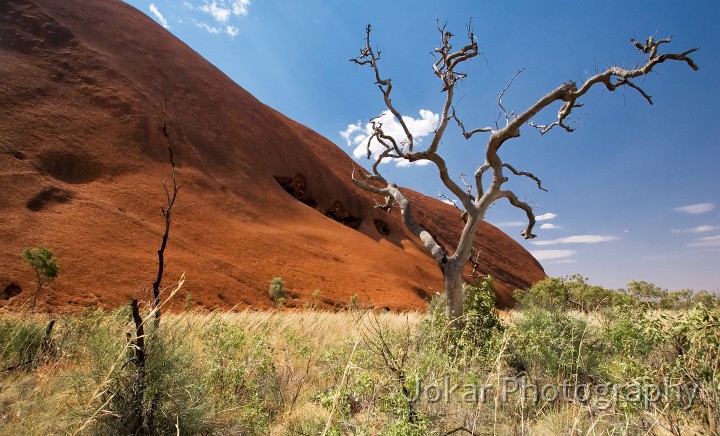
x: 138, y: 418
x: 141, y: 419
x: 476, y: 200
x: 170, y: 197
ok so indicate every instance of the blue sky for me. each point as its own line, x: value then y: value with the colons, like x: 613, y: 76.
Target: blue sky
x: 634, y: 192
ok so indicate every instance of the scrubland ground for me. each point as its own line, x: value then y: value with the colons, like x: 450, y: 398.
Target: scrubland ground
x: 623, y: 366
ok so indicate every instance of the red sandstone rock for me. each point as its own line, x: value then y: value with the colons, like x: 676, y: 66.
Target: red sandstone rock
x: 82, y: 156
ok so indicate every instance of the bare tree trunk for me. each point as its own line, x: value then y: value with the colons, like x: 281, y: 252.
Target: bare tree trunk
x: 37, y: 291
x: 170, y: 198
x: 137, y: 420
x: 452, y: 274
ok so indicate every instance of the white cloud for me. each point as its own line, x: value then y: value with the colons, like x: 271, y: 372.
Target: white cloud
x: 510, y: 224
x: 695, y: 209
x: 579, y: 239
x: 449, y: 201
x: 552, y: 254
x: 356, y: 135
x: 698, y: 229
x: 218, y: 13
x: 546, y: 216
x: 351, y: 128
x: 240, y: 7
x: 158, y: 16
x: 548, y: 226
x: 207, y: 27
x: 406, y: 163
x: 223, y: 10
x: 707, y: 241
x: 232, y: 31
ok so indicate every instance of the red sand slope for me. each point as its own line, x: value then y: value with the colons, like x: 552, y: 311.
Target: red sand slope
x: 82, y: 157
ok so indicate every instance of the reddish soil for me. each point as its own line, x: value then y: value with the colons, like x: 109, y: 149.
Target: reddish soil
x: 82, y: 157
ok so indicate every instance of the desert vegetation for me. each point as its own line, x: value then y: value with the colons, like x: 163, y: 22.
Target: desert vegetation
x: 573, y: 358
x: 44, y: 264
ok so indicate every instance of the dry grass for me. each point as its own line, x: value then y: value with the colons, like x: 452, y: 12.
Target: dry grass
x: 289, y: 372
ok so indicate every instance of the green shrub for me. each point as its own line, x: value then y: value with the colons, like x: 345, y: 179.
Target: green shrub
x: 353, y: 302
x: 242, y: 376
x: 553, y: 345
x: 628, y: 340
x: 706, y: 299
x: 697, y: 337
x: 482, y: 328
x: 572, y: 293
x: 172, y: 384
x: 43, y: 262
x: 22, y: 343
x: 277, y: 290
x: 646, y: 293
x: 481, y: 321
x: 314, y: 300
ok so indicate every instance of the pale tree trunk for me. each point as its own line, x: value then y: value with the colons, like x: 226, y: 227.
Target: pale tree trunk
x: 452, y: 275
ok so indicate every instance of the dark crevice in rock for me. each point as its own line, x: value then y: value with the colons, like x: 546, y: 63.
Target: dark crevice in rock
x: 381, y: 227
x: 420, y: 292
x: 339, y: 213
x: 48, y: 196
x: 298, y: 188
x: 71, y: 167
x: 11, y: 290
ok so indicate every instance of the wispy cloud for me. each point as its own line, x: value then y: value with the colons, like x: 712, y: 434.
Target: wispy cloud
x: 356, y: 135
x: 349, y: 134
x: 158, y: 16
x: 449, y: 201
x: 542, y: 255
x: 510, y: 224
x: 209, y: 28
x: 546, y: 216
x: 707, y: 241
x: 695, y: 209
x: 232, y: 31
x: 698, y: 229
x: 548, y: 226
x: 220, y: 14
x: 578, y: 239
x: 223, y: 10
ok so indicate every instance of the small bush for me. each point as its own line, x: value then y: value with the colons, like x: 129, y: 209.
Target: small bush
x: 174, y: 393
x: 277, y: 290
x: 242, y: 376
x: 22, y: 343
x: 482, y: 329
x: 353, y: 302
x: 627, y: 341
x: 43, y: 262
x: 697, y: 337
x: 553, y: 346
x: 571, y: 293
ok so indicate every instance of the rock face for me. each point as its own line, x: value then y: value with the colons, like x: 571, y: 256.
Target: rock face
x: 86, y: 89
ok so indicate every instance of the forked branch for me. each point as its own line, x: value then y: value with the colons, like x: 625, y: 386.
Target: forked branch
x: 368, y: 56
x: 526, y: 174
x: 612, y: 78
